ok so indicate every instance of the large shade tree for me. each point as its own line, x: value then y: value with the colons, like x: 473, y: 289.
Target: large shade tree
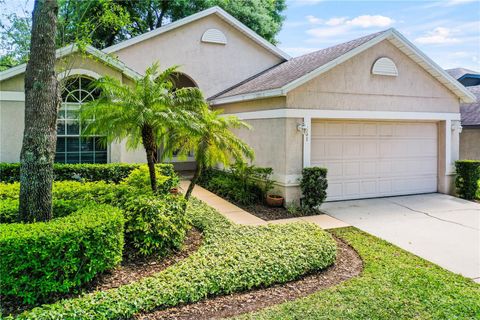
x: 211, y: 141
x: 141, y: 113
x: 104, y: 23
x: 42, y: 100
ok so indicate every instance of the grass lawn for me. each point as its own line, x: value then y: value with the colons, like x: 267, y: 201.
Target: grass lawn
x: 394, y: 285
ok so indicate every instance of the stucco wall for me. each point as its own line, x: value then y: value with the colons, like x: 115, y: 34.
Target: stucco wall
x: 214, y: 67
x: 470, y: 143
x: 351, y: 86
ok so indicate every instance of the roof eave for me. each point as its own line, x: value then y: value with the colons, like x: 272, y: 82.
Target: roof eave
x: 248, y: 97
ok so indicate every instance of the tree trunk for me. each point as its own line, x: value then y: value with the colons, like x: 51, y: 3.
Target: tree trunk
x: 41, y: 106
x: 194, y: 181
x: 148, y: 141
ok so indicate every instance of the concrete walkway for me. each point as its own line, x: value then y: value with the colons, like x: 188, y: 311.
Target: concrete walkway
x: 440, y: 228
x: 240, y: 216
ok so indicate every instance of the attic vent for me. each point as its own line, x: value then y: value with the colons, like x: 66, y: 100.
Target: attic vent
x: 385, y: 67
x: 214, y: 36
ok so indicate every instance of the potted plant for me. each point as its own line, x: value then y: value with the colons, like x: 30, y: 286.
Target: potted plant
x: 274, y: 200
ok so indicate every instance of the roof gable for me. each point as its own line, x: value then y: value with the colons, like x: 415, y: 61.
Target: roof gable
x: 70, y: 49
x: 213, y: 10
x: 289, y: 75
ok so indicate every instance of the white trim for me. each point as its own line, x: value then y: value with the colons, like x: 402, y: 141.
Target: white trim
x: 12, y: 96
x: 345, y: 114
x: 65, y: 51
x: 307, y: 146
x: 214, y: 10
x: 72, y: 72
x: 449, y: 169
x: 396, y: 39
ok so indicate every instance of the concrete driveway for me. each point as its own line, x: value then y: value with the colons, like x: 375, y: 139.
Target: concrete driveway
x: 440, y: 228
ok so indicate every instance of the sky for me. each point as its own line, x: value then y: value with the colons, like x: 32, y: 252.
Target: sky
x: 447, y: 31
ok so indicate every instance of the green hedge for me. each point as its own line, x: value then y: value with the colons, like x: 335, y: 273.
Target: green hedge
x: 61, y: 208
x: 112, y: 172
x: 154, y: 224
x: 314, y: 186
x: 232, y: 258
x: 42, y: 258
x: 468, y: 178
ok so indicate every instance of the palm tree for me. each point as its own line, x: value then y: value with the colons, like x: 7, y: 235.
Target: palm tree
x: 141, y: 113
x: 211, y: 141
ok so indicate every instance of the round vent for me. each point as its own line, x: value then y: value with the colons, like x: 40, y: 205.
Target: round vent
x: 385, y: 67
x: 214, y: 36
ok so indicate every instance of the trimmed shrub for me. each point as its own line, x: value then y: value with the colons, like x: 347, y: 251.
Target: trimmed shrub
x: 140, y: 178
x: 314, y: 186
x: 467, y: 181
x: 39, y: 259
x: 112, y: 172
x: 155, y: 225
x: 232, y: 259
x: 61, y: 208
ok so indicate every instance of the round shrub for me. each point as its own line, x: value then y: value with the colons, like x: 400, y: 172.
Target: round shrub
x: 155, y: 225
x: 43, y: 258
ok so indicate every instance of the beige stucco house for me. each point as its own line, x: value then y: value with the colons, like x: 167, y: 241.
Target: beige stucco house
x: 380, y: 115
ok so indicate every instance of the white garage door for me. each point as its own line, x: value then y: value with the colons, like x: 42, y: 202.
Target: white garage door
x: 367, y: 159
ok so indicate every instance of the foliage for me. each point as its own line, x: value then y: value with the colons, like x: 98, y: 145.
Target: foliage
x: 394, y: 284
x: 155, y: 225
x: 314, y: 188
x: 232, y: 258
x: 139, y: 178
x: 468, y: 178
x: 14, y: 36
x: 112, y: 172
x: 141, y: 113
x: 39, y: 259
x: 211, y: 141
x: 61, y: 208
x: 243, y: 184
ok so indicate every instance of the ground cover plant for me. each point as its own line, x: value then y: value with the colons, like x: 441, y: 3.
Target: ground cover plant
x: 232, y: 258
x: 395, y: 284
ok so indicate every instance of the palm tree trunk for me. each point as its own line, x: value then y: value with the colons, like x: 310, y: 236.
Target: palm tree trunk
x: 148, y: 140
x: 194, y: 181
x: 41, y: 107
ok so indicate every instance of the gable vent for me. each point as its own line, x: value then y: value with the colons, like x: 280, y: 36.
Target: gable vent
x: 214, y: 36
x: 385, y: 67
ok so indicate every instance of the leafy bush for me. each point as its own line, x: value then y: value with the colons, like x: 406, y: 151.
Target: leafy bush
x: 314, y: 186
x: 468, y: 178
x: 42, y: 258
x: 232, y: 258
x: 112, y: 172
x: 61, y: 208
x: 155, y: 225
x: 243, y: 184
x: 140, y: 178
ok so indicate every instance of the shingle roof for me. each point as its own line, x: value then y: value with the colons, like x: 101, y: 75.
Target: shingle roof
x: 457, y: 73
x: 471, y: 111
x: 286, y: 72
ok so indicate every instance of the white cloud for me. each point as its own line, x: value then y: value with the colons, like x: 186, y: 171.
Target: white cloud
x: 439, y: 35
x: 303, y: 2
x: 336, y: 21
x: 314, y: 20
x: 367, y: 21
x: 328, y: 32
x: 457, y: 2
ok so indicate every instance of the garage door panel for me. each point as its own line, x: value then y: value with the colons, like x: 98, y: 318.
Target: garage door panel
x: 375, y: 158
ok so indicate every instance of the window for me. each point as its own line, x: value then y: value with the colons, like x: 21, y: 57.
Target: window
x: 72, y: 146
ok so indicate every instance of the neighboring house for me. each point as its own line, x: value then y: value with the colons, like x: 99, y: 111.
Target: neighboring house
x: 468, y: 78
x: 380, y: 115
x: 470, y: 113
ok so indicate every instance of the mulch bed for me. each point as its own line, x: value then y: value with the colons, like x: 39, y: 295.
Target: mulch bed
x: 348, y: 265
x: 267, y: 213
x: 131, y: 269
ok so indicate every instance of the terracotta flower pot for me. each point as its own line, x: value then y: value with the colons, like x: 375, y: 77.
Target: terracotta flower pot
x: 274, y: 200
x: 174, y: 191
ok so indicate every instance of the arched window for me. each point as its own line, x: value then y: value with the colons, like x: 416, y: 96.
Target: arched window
x: 72, y: 146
